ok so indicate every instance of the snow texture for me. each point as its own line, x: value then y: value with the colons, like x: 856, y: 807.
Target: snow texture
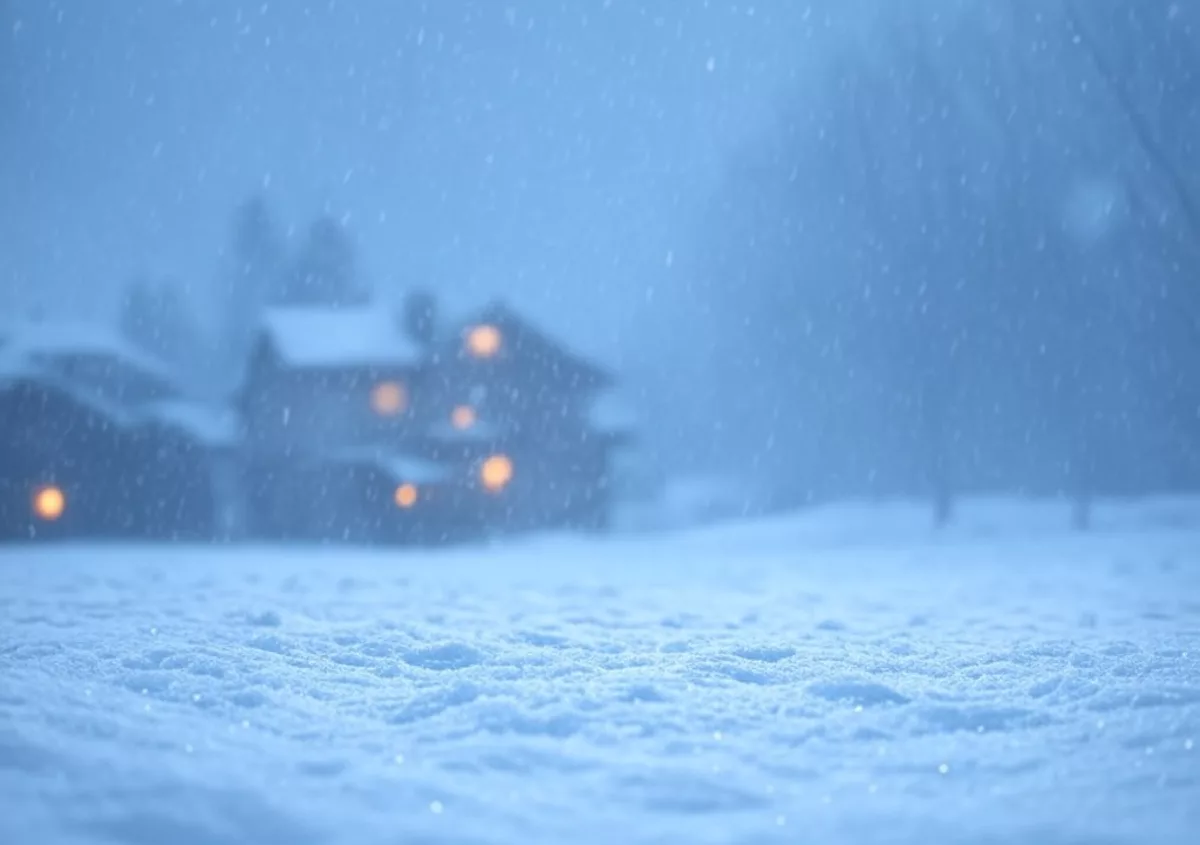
x: 367, y: 335
x: 844, y: 677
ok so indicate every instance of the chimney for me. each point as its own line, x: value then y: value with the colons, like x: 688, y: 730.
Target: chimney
x: 419, y: 317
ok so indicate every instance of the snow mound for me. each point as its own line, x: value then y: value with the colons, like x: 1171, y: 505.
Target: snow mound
x: 736, y: 687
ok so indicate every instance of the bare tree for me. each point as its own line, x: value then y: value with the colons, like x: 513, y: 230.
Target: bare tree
x: 157, y: 317
x: 1178, y: 178
x: 325, y: 270
x: 249, y: 280
x: 1147, y: 60
x: 914, y: 241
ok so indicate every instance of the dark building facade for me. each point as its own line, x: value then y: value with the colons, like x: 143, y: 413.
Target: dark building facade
x: 55, y: 456
x: 360, y: 424
x: 496, y: 413
x: 331, y: 447
x: 534, y: 400
x: 84, y: 451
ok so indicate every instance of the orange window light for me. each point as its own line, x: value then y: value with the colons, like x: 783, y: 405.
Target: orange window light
x: 49, y: 503
x: 389, y: 398
x: 496, y: 472
x: 483, y: 341
x: 406, y: 496
x: 462, y: 417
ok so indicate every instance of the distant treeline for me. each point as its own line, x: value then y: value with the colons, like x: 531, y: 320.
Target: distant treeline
x: 967, y: 258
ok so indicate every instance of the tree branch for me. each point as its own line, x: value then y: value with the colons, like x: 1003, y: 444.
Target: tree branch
x: 1137, y: 121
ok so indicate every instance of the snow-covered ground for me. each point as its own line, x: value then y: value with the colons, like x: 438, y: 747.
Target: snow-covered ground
x: 838, y: 677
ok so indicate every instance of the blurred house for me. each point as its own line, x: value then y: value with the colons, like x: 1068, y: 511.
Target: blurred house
x: 359, y: 423
x: 88, y: 357
x: 95, y: 440
x: 547, y: 414
x: 361, y: 496
x: 342, y: 406
x: 320, y: 376
x: 328, y: 405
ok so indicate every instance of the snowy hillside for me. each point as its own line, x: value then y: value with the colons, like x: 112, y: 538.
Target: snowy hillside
x: 837, y: 678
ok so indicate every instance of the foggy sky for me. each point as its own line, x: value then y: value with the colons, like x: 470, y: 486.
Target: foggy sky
x: 549, y: 152
x: 627, y: 172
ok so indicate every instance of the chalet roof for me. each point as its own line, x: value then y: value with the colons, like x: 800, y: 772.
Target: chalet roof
x: 211, y: 425
x: 611, y: 413
x: 85, y: 356
x: 204, y: 424
x: 13, y: 365
x: 359, y: 336
x: 88, y: 400
x: 401, y: 467
x: 480, y: 432
x: 40, y: 339
x: 531, y: 340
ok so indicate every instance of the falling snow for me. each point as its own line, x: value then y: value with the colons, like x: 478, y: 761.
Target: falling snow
x: 851, y: 345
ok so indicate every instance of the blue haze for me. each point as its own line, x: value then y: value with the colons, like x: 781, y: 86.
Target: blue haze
x: 835, y: 247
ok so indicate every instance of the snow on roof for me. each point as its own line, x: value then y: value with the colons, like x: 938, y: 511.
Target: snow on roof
x: 339, y: 337
x: 95, y: 401
x: 13, y: 365
x: 400, y: 466
x: 211, y: 425
x: 478, y: 432
x: 610, y: 413
x: 406, y: 468
x: 38, y: 339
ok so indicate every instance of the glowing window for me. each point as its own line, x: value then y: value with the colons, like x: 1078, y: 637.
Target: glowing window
x: 49, y: 503
x: 483, y: 341
x: 496, y: 472
x: 462, y: 417
x: 406, y: 496
x: 389, y: 398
